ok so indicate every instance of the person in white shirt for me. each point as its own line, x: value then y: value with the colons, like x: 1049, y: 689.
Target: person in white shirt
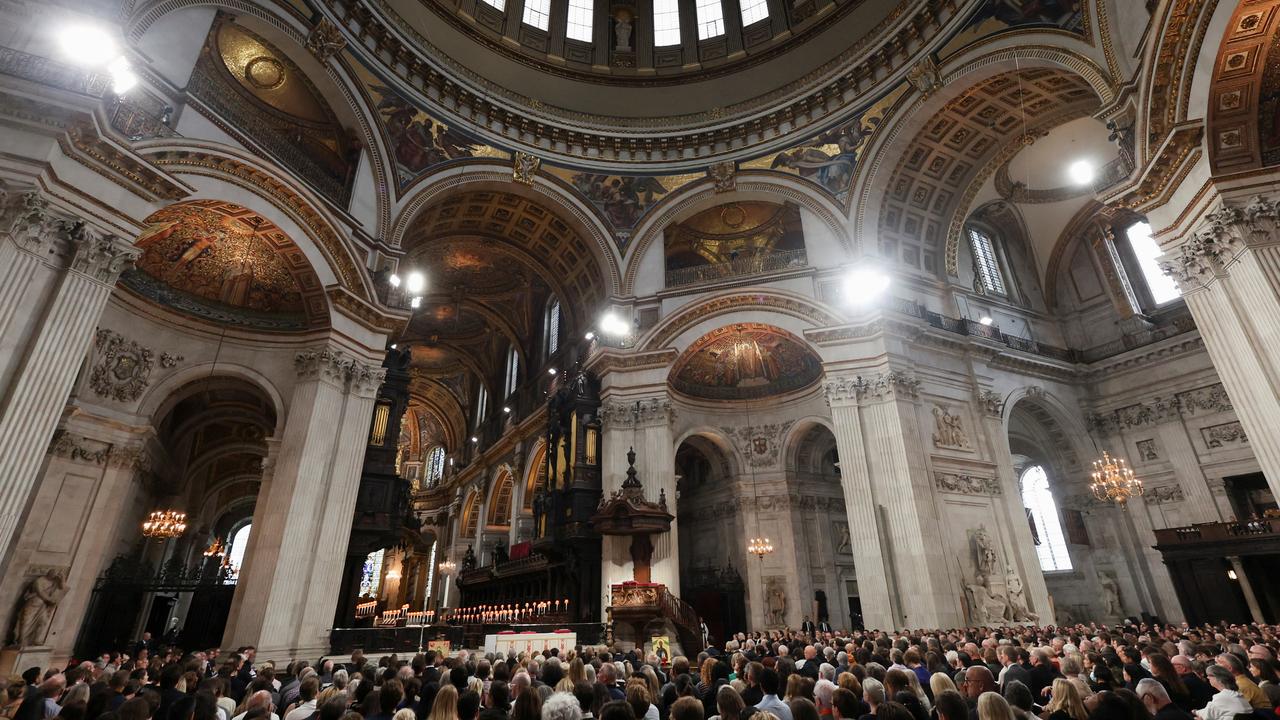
x: 1228, y: 701
x: 261, y: 699
x: 306, y: 706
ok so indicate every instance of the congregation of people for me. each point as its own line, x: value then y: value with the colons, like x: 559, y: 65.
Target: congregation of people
x: 1080, y: 673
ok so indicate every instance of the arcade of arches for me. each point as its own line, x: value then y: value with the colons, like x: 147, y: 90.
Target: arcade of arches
x: 416, y: 307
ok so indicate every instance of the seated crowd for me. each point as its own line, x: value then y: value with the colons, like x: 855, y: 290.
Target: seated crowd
x: 1078, y: 673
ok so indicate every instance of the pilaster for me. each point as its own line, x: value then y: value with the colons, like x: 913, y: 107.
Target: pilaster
x: 85, y: 266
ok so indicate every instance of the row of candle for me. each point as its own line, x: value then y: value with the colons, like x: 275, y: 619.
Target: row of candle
x: 510, y: 612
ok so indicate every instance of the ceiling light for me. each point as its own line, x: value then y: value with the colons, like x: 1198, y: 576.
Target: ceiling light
x: 591, y: 335
x: 87, y: 45
x: 415, y: 282
x: 551, y: 371
x: 393, y: 346
x: 1081, y: 172
x: 415, y: 302
x: 123, y: 78
x: 475, y: 439
x: 394, y: 280
x: 986, y: 320
x: 865, y: 284
x: 611, y: 324
x: 506, y: 409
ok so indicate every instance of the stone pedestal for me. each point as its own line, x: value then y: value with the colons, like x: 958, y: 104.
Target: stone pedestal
x: 15, y: 660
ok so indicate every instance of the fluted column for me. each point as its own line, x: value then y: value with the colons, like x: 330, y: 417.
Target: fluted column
x: 644, y: 424
x: 79, y: 267
x: 1229, y: 272
x: 860, y: 503
x: 305, y: 514
x: 1176, y: 443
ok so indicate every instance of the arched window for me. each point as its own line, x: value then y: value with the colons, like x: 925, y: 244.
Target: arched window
x: 499, y: 4
x: 1146, y: 254
x: 985, y: 262
x: 710, y: 19
x: 239, y: 543
x: 537, y: 13
x: 513, y: 372
x: 1042, y: 511
x: 435, y: 466
x: 482, y: 406
x: 579, y: 24
x: 666, y: 23
x: 754, y: 11
x: 551, y: 327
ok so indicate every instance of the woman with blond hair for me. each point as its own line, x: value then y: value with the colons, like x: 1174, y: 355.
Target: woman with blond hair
x: 993, y: 706
x: 1066, y: 703
x: 446, y: 705
x: 940, y: 683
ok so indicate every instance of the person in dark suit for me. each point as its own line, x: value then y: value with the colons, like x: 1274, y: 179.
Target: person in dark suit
x: 1012, y: 669
x: 824, y: 626
x: 807, y: 626
x: 1156, y: 700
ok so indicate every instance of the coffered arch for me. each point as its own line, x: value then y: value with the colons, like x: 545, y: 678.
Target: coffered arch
x: 923, y: 173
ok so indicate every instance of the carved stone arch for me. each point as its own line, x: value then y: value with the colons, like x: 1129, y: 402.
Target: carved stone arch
x: 501, y: 500
x: 275, y: 193
x: 1087, y: 225
x: 486, y: 174
x: 798, y: 433
x: 748, y: 185
x: 711, y: 439
x: 806, y: 309
x: 534, y: 477
x: 161, y: 397
x: 1068, y: 436
x: 469, y: 518
x: 287, y: 22
x: 914, y: 111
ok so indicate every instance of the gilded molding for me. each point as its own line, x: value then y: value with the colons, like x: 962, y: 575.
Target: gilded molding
x: 683, y: 319
x: 325, y: 39
x: 524, y: 167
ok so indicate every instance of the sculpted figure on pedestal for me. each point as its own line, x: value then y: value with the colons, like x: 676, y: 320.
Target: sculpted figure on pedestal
x: 776, y: 603
x: 38, y: 605
x: 1018, y: 611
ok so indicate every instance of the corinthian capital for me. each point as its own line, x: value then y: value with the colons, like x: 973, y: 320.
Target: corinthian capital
x: 28, y: 220
x: 324, y: 364
x: 887, y: 385
x: 98, y: 256
x: 366, y: 378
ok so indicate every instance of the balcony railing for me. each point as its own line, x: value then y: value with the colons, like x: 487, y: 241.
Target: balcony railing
x: 755, y: 264
x: 1219, y: 531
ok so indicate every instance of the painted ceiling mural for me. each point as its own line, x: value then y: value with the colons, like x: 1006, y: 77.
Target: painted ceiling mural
x: 751, y: 236
x: 745, y: 361
x: 420, y: 143
x: 220, y: 261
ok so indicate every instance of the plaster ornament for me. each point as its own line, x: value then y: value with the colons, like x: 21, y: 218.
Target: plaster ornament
x: 524, y: 167
x: 325, y: 40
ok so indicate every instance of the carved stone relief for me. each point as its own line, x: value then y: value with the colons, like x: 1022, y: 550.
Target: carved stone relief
x: 1216, y: 436
x: 124, y: 367
x: 1161, y: 494
x: 948, y: 432
x: 761, y: 445
x: 1208, y: 399
x: 775, y: 601
x: 966, y: 484
x: 1147, y: 450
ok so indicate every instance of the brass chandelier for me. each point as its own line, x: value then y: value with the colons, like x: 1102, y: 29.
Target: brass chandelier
x: 759, y: 547
x: 1114, y: 481
x: 164, y: 524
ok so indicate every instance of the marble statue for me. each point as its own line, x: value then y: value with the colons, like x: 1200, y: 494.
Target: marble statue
x: 622, y: 33
x: 989, y: 607
x: 844, y: 543
x: 1111, y: 596
x: 776, y: 603
x: 947, y: 431
x: 1018, y: 611
x: 984, y: 553
x: 469, y: 559
x: 38, y: 605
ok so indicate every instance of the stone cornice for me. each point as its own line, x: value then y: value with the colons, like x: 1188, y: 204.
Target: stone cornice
x: 768, y: 122
x: 1208, y: 399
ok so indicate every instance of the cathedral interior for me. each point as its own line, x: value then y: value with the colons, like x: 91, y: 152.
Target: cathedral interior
x: 346, y: 323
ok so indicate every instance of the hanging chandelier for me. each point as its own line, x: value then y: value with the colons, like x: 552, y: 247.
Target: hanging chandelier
x: 759, y: 547
x: 165, y: 524
x: 448, y: 567
x: 217, y: 547
x: 1114, y: 481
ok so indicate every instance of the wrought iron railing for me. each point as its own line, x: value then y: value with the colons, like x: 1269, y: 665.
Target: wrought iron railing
x: 754, y: 264
x: 1219, y: 531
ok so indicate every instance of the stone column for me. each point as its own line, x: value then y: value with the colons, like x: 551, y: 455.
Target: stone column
x: 860, y: 504
x: 644, y: 424
x: 1175, y: 441
x: 303, y: 518
x: 1255, y: 610
x: 1229, y: 272
x: 81, y: 267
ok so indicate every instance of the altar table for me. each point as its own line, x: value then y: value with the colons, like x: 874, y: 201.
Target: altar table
x: 504, y: 643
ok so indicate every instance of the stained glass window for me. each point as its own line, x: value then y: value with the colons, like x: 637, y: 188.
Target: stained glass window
x: 435, y: 466
x: 985, y: 262
x: 371, y: 574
